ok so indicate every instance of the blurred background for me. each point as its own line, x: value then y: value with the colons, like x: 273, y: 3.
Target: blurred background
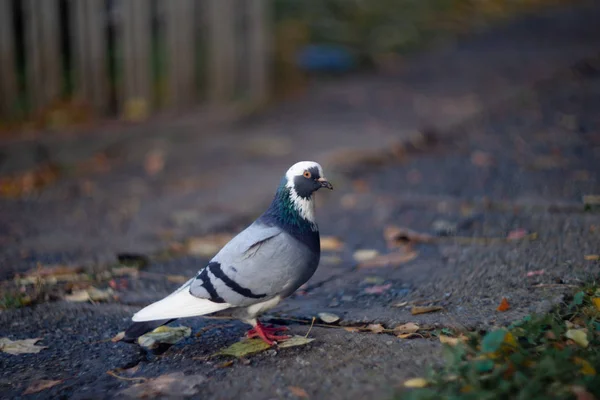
x: 64, y: 63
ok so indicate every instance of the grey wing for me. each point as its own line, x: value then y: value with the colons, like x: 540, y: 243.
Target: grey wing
x: 258, y: 264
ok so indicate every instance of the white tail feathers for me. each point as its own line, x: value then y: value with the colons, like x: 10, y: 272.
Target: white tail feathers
x: 179, y: 304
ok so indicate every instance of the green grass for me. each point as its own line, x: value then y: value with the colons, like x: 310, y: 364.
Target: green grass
x: 535, y: 358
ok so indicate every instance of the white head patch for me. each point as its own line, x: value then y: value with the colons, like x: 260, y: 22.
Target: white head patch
x: 305, y: 206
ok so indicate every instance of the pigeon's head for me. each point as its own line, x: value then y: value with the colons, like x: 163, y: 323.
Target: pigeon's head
x: 301, y: 182
x: 304, y: 178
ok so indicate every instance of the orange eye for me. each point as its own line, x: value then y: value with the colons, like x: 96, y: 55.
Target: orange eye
x: 307, y: 174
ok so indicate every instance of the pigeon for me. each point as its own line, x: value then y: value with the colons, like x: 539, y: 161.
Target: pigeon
x: 257, y: 269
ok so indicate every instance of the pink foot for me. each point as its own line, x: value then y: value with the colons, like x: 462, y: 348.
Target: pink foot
x: 267, y: 333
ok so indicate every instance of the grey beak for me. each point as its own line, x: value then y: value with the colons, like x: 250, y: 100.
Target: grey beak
x: 325, y: 183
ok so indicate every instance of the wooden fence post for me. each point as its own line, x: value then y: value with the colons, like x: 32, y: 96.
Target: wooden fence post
x: 89, y: 41
x: 8, y: 77
x: 221, y: 52
x: 179, y: 24
x: 260, y: 54
x: 42, y: 41
x: 135, y: 35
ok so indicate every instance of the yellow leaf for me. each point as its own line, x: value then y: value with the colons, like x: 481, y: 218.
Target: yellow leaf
x: 579, y: 336
x: 452, y: 341
x: 363, y: 255
x: 415, y: 383
x: 596, y: 301
x: 586, y: 367
x: 510, y: 340
x: 422, y: 310
x: 409, y: 335
x: 592, y: 257
x: 331, y: 243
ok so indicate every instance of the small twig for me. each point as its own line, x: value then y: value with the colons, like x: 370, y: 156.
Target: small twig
x: 542, y: 285
x: 114, y: 375
x: 311, y: 326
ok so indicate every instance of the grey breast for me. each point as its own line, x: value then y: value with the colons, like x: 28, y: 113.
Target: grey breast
x: 258, y: 264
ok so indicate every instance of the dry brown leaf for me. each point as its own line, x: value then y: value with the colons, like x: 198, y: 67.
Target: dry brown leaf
x: 118, y: 337
x: 396, y: 236
x: 351, y: 329
x: 38, y: 386
x: 409, y: 335
x: 415, y: 310
x: 504, y: 306
x: 453, y: 341
x: 409, y: 327
x: 390, y: 259
x: 298, y: 391
x: 207, y: 246
x: 90, y: 294
x: 328, y: 318
x: 331, y: 243
x: 592, y: 257
x: 175, y: 385
x: 24, y: 346
x: 375, y: 328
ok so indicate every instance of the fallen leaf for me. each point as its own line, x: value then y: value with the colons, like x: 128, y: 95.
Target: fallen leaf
x: 579, y: 336
x: 53, y: 274
x: 592, y: 257
x: 331, y: 243
x: 401, y: 304
x: 586, y: 367
x: 118, y: 337
x: 536, y: 273
x: 396, y: 236
x: 225, y: 364
x: 38, y: 386
x: 375, y: 328
x: 415, y: 383
x: 351, y: 329
x: 298, y: 391
x: 378, y: 289
x: 389, y: 260
x: 207, y: 246
x: 175, y: 385
x: 363, y: 255
x: 504, y: 306
x: 596, y: 301
x: 328, y: 318
x: 164, y: 334
x: 409, y: 335
x: 243, y: 348
x: 517, y: 234
x: 90, y: 294
x: 129, y: 271
x: 295, y: 341
x: 24, y: 346
x: 452, y: 341
x: 409, y: 327
x: 415, y: 310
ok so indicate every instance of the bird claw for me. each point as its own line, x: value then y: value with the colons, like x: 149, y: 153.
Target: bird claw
x: 268, y: 333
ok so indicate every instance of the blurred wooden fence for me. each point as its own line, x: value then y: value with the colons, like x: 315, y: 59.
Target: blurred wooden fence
x: 117, y: 54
